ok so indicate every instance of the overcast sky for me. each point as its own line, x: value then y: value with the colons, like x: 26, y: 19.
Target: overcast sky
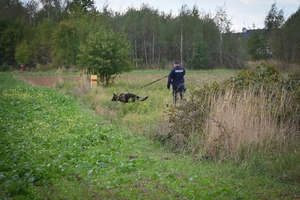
x: 243, y: 13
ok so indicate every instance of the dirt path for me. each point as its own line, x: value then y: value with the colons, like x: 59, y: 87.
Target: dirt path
x: 45, y: 81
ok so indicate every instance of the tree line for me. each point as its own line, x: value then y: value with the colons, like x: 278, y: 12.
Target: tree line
x: 59, y: 33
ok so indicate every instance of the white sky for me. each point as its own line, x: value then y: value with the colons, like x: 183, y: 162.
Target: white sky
x: 243, y: 13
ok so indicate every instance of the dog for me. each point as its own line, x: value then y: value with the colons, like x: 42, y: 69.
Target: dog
x: 127, y: 97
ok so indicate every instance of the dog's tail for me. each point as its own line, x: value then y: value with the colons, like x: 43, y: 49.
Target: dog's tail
x: 143, y: 99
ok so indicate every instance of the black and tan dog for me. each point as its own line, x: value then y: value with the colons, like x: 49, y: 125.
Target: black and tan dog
x: 127, y: 97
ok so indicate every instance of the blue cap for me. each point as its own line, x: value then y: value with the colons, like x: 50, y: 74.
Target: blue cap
x: 176, y: 62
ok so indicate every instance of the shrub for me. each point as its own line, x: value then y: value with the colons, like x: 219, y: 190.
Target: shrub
x: 5, y: 67
x: 255, y: 112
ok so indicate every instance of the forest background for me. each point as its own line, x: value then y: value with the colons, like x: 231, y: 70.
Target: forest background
x: 47, y: 34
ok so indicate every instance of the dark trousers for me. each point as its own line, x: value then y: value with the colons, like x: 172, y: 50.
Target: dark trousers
x: 180, y: 89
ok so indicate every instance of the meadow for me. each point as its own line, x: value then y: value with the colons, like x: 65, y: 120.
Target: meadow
x: 140, y: 117
x: 73, y: 142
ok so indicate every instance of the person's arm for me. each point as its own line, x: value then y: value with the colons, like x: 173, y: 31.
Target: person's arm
x: 169, y: 79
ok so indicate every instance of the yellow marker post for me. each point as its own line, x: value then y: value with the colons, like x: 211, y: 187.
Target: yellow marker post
x: 93, y: 80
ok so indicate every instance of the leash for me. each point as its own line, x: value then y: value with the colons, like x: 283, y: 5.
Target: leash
x: 151, y: 82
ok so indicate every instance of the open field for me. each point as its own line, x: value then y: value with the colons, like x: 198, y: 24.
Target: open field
x: 99, y: 99
x: 135, y: 78
x: 54, y: 147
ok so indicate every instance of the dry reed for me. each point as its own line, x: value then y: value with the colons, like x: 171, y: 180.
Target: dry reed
x: 240, y: 125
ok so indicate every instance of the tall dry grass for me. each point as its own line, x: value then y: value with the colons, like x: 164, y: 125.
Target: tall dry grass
x: 291, y: 68
x: 238, y: 126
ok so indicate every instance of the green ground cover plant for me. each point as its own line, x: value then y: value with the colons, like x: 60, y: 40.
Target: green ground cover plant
x: 54, y: 147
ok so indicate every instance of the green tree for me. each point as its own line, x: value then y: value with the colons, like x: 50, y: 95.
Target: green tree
x: 11, y: 33
x: 23, y: 53
x: 32, y: 9
x: 69, y: 35
x: 41, y: 41
x: 148, y: 34
x: 82, y: 6
x: 291, y: 30
x: 274, y: 19
x: 66, y: 44
x: 224, y: 25
x: 234, y: 51
x: 211, y: 36
x: 200, y: 57
x: 51, y: 10
x: 257, y: 47
x: 106, y: 54
x: 131, y: 25
x: 274, y: 22
x: 11, y: 9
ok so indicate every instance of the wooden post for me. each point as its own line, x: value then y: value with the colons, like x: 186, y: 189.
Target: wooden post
x: 93, y: 80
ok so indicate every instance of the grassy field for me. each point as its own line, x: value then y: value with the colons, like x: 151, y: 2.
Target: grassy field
x: 55, y: 146
x: 141, y: 117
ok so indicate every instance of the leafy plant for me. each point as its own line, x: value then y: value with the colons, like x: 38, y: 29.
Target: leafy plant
x: 107, y: 54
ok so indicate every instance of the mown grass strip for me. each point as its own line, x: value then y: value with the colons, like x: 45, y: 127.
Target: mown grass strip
x: 52, y: 147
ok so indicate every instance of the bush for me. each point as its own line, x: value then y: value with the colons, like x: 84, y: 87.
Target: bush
x: 5, y: 67
x: 256, y: 112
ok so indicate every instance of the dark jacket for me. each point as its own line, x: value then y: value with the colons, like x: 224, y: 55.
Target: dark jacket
x: 176, y: 77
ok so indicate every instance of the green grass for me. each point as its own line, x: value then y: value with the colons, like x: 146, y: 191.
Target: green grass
x: 166, y: 72
x: 54, y: 147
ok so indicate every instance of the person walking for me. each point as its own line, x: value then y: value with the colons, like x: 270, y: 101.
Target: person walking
x: 176, y: 78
